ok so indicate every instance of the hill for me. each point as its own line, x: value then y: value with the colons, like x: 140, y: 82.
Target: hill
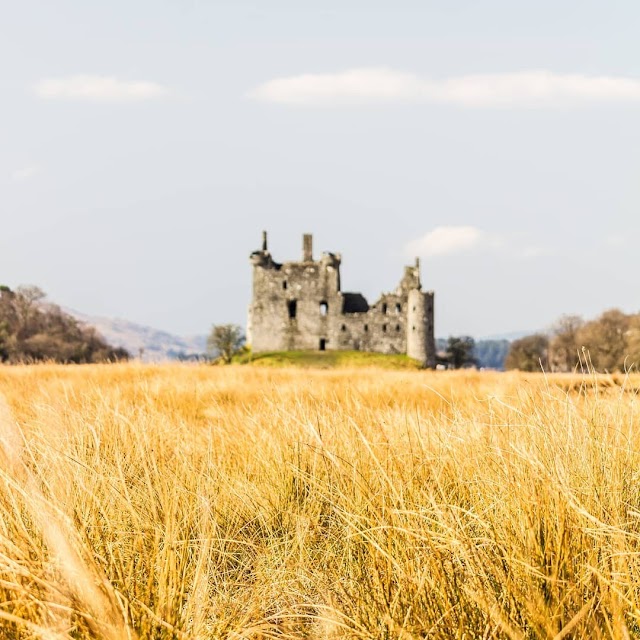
x: 155, y: 345
x: 34, y: 330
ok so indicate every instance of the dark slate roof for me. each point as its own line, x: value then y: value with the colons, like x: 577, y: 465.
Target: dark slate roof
x: 354, y: 303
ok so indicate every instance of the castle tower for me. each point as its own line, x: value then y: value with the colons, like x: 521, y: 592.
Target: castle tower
x: 420, y: 327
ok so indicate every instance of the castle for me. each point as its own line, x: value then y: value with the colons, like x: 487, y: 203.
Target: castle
x: 299, y: 306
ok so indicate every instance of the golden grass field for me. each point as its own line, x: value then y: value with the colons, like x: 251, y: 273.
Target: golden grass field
x: 181, y: 501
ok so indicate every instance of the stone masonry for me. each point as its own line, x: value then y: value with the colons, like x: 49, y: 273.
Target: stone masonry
x: 299, y: 306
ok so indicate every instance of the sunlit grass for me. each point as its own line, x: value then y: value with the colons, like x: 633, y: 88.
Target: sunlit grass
x: 244, y: 502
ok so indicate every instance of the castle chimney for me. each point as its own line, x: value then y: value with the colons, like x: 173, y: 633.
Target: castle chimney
x: 307, y: 247
x: 264, y: 240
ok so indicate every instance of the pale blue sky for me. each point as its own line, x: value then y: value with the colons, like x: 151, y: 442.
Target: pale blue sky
x: 145, y: 145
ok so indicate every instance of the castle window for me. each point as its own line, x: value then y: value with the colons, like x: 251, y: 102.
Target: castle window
x: 384, y: 307
x: 413, y: 328
x: 398, y: 308
x: 324, y: 308
x: 292, y: 308
x: 384, y: 328
x: 397, y: 327
x: 366, y: 327
x: 284, y: 285
x: 343, y: 327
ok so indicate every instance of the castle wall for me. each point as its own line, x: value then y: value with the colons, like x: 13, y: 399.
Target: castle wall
x: 375, y: 330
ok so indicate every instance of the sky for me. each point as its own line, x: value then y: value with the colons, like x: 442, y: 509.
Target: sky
x: 145, y: 144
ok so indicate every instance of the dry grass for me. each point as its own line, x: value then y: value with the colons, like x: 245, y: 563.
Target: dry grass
x: 199, y: 502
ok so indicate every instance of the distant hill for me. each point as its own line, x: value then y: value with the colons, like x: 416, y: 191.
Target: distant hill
x: 510, y: 336
x: 157, y: 345
x: 490, y: 353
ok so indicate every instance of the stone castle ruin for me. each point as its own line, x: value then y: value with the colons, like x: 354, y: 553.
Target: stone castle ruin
x: 299, y: 306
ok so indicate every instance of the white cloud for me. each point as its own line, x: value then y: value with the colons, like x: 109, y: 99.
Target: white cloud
x: 354, y: 85
x: 447, y: 240
x: 20, y: 175
x: 536, y: 88
x: 450, y: 240
x: 98, y: 89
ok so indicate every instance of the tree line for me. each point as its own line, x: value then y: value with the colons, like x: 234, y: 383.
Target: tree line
x: 33, y: 330
x: 611, y: 342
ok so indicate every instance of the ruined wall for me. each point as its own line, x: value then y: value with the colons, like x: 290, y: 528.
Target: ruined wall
x: 299, y: 306
x: 381, y: 329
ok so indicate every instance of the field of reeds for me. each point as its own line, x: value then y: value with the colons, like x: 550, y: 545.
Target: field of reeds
x: 237, y: 502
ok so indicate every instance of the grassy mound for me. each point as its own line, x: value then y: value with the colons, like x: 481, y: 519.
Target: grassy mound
x: 328, y: 359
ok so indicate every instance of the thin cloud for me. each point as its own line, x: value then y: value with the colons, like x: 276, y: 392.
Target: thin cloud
x: 92, y: 88
x: 536, y: 88
x: 20, y: 175
x: 448, y: 240
x: 452, y: 240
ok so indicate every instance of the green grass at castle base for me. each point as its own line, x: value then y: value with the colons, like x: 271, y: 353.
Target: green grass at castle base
x: 327, y: 359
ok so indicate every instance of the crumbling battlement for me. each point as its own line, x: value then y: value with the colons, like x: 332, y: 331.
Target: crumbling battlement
x: 299, y: 306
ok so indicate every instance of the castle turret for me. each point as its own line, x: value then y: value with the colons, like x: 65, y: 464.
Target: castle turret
x: 262, y: 258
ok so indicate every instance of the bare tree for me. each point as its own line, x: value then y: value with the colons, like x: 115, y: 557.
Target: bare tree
x: 28, y: 297
x: 564, y: 346
x: 225, y: 340
x: 633, y: 343
x: 606, y: 340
